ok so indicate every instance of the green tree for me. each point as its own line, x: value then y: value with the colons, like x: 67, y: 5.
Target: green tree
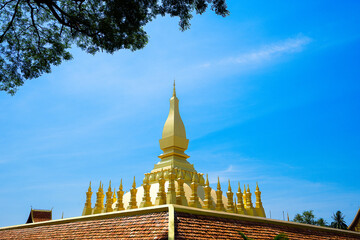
x: 308, y: 217
x: 37, y: 34
x: 339, y: 221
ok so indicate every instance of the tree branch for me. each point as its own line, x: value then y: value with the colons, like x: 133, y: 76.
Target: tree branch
x: 11, y: 22
x: 6, y: 3
x: 35, y: 26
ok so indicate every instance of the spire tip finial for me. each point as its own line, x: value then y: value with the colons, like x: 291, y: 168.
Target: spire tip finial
x: 174, y: 91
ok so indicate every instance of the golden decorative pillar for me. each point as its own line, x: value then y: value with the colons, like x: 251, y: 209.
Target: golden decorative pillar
x: 249, y: 207
x: 219, y: 201
x: 88, y: 209
x: 120, y: 195
x: 180, y: 193
x: 194, y: 198
x: 240, y: 205
x: 230, y: 203
x: 109, y: 200
x: 161, y: 195
x: 133, y: 191
x: 99, y: 205
x: 146, y: 201
x: 258, y: 204
x: 207, y: 199
x: 171, y: 193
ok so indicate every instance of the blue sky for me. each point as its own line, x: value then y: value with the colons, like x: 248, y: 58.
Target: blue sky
x: 268, y: 94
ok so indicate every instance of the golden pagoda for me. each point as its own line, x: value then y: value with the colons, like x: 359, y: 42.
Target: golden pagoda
x: 175, y: 181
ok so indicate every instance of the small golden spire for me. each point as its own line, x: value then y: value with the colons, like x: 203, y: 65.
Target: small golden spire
x: 133, y: 191
x: 180, y: 193
x: 161, y: 195
x: 87, y: 209
x: 194, y: 199
x: 219, y: 201
x: 258, y: 204
x: 249, y: 207
x: 230, y: 203
x: 146, y: 201
x: 99, y: 205
x: 109, y: 200
x: 240, y: 205
x: 207, y: 199
x: 120, y: 194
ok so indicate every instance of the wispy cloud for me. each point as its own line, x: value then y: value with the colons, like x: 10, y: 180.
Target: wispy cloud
x: 264, y: 53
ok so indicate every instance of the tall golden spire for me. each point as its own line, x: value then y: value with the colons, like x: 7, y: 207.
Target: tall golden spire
x: 173, y: 141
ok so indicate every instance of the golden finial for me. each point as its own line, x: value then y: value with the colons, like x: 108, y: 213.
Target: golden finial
x: 218, y: 185
x: 248, y: 189
x: 89, y: 189
x: 121, y: 186
x: 100, y: 186
x: 134, y: 183
x: 239, y: 188
x: 229, y: 188
x: 257, y: 186
x: 207, y: 180
x: 174, y: 91
x: 109, y: 189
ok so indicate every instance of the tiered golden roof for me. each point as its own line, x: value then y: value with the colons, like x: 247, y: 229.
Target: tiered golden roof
x: 175, y: 181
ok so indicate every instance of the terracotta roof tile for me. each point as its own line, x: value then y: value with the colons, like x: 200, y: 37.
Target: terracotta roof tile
x: 146, y: 226
x: 190, y: 226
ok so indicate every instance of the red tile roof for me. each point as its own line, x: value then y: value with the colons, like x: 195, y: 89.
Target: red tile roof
x: 191, y: 226
x: 146, y: 226
x: 39, y: 216
x: 161, y: 222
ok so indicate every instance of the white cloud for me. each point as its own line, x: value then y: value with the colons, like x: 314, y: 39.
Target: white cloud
x: 264, y: 53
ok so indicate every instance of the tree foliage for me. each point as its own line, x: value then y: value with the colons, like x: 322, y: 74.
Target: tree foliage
x: 36, y: 34
x: 308, y: 217
x: 339, y: 221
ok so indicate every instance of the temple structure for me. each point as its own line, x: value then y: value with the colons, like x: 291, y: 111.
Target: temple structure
x: 175, y: 181
x: 174, y: 202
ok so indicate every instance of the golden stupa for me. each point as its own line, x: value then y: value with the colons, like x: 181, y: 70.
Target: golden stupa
x: 175, y: 181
